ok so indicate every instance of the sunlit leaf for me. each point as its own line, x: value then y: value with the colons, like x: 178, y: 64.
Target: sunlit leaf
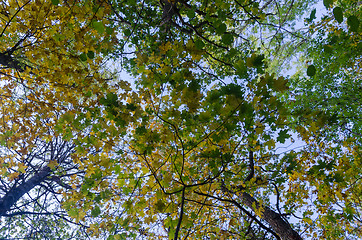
x: 98, y: 26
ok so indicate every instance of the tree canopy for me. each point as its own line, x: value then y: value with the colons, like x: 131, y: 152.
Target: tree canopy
x: 237, y: 119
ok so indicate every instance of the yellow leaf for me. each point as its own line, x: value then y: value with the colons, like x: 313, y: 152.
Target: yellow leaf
x: 52, y: 164
x: 308, y: 220
x: 22, y: 167
x: 105, y: 162
x: 13, y: 176
x: 165, y: 47
x: 313, y: 128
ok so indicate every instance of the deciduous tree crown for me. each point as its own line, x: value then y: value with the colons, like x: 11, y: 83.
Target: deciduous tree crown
x: 189, y: 148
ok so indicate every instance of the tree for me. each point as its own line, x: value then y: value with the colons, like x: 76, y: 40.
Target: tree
x: 192, y: 149
x: 333, y: 76
x: 327, y: 93
x: 47, y: 71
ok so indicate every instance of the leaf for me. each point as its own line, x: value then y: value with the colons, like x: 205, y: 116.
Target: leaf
x: 83, y: 57
x: 338, y: 177
x: 255, y: 60
x: 311, y: 71
x: 220, y: 29
x: 353, y: 23
x: 227, y: 39
x: 160, y: 206
x: 199, y: 44
x: 327, y: 3
x: 52, y: 164
x: 13, y: 176
x: 328, y: 48
x: 127, y: 32
x: 283, y: 135
x: 109, y: 30
x: 73, y: 212
x: 22, y: 168
x: 95, y: 211
x: 99, y: 27
x: 90, y: 54
x: 110, y: 100
x: 241, y: 69
x: 190, y: 13
x: 312, y: 15
x: 55, y: 2
x: 338, y: 14
x: 141, y: 130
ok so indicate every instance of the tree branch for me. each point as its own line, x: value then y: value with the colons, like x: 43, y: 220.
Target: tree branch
x: 243, y: 210
x: 181, y: 214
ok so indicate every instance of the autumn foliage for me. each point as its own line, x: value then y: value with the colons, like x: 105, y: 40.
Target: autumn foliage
x: 207, y: 137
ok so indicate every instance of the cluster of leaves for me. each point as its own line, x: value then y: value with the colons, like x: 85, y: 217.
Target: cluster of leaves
x: 335, y: 70
x: 189, y: 148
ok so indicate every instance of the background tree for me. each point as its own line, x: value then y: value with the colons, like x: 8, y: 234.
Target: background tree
x: 50, y: 56
x: 326, y: 91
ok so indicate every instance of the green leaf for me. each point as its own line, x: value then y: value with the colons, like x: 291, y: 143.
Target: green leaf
x: 327, y: 3
x: 240, y: 67
x: 73, y: 212
x: 258, y: 61
x: 353, y: 23
x: 83, y: 57
x: 160, y: 206
x: 110, y: 100
x: 109, y: 30
x: 55, y: 2
x: 311, y: 70
x: 338, y: 177
x: 58, y: 37
x: 127, y: 32
x: 141, y: 130
x: 190, y: 13
x: 328, y: 48
x: 282, y: 136
x: 99, y: 27
x: 131, y: 106
x: 255, y: 60
x: 90, y: 54
x: 221, y: 28
x: 338, y: 14
x: 96, y: 211
x: 312, y: 15
x: 227, y: 39
x: 199, y: 44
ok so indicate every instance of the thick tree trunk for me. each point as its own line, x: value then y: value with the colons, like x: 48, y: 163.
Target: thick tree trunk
x: 275, y: 221
x: 15, y: 193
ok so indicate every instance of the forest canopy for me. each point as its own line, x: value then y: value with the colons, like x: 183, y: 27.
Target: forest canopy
x: 180, y: 119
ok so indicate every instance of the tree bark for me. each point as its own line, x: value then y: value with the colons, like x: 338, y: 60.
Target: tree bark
x: 15, y: 193
x: 276, y: 222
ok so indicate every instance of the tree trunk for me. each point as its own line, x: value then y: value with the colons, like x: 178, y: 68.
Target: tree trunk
x: 15, y: 193
x: 275, y: 221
